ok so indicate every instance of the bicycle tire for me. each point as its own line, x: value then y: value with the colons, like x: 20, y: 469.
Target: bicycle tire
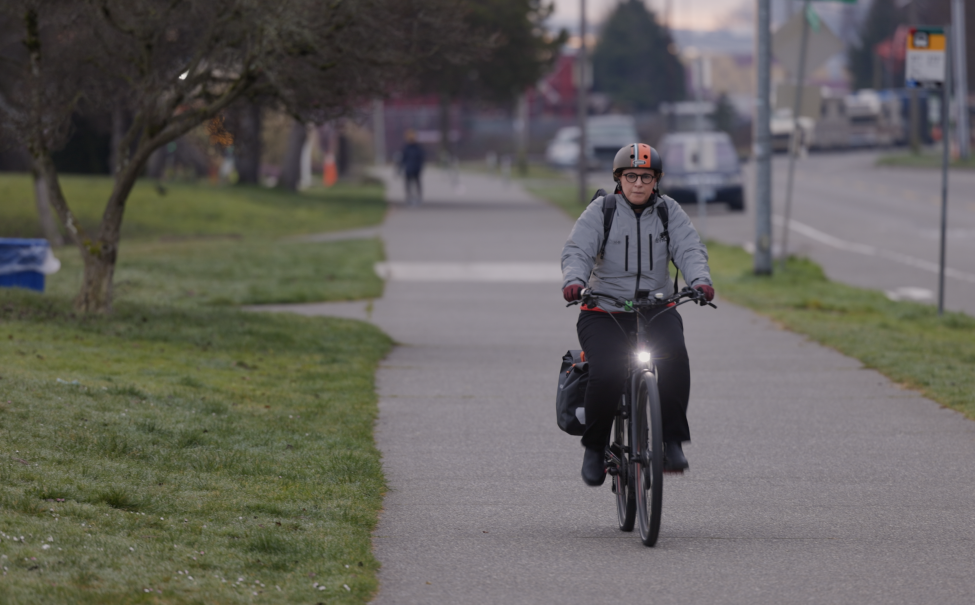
x: 647, y: 471
x: 622, y: 487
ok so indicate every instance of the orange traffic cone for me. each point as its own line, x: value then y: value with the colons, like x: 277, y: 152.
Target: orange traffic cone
x: 330, y: 173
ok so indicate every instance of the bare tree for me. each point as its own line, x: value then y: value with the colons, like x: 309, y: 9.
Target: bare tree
x: 171, y: 65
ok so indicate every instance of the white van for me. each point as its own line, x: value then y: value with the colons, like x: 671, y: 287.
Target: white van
x: 703, y: 162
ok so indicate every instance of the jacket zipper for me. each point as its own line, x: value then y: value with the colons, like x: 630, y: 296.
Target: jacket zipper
x: 650, y: 243
x: 626, y: 257
x: 638, y: 253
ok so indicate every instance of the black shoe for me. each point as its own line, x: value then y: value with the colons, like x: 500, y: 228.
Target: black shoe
x: 594, y: 467
x: 674, y: 459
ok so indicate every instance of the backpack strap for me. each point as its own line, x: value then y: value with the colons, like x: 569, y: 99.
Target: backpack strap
x: 664, y: 215
x: 609, y: 211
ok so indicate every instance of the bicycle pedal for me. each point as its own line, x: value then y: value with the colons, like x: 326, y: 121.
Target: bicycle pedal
x: 612, y: 470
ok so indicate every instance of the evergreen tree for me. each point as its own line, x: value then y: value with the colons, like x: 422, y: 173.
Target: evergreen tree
x: 635, y: 60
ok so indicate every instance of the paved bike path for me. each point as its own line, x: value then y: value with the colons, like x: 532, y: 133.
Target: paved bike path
x: 812, y: 479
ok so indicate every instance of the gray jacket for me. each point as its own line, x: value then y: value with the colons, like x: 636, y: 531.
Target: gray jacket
x: 636, y: 256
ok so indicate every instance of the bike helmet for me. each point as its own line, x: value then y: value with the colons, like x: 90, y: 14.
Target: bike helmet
x: 637, y: 155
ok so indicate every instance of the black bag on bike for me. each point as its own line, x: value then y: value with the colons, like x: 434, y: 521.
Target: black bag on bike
x: 573, y: 378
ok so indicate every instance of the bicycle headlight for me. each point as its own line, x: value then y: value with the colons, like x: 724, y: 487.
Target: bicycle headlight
x: 643, y: 356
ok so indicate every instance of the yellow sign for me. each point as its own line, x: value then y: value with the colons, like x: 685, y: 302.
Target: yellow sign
x: 925, y: 58
x: 925, y: 40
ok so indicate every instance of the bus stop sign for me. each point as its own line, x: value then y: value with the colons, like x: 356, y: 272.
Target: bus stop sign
x: 925, y: 60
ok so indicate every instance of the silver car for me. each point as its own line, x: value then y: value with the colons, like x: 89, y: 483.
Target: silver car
x: 605, y: 135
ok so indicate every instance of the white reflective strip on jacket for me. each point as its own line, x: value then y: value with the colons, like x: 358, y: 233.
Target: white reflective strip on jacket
x: 631, y: 246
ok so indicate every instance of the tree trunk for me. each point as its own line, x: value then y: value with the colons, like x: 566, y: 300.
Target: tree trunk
x: 49, y: 226
x: 96, y: 290
x: 445, y: 154
x: 247, y: 142
x: 95, y: 295
x: 291, y: 168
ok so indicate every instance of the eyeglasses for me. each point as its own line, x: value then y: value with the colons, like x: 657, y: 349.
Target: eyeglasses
x: 645, y: 177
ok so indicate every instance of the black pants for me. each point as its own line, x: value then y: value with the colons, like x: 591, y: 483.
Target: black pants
x: 608, y: 349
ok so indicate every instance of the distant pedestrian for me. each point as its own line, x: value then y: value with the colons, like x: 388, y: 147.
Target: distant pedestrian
x: 411, y: 161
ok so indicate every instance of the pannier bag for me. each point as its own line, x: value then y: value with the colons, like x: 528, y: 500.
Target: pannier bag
x: 573, y: 378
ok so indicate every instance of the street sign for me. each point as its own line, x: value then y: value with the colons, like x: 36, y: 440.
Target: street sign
x: 925, y: 60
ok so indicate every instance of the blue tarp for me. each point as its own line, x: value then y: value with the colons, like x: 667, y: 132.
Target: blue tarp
x: 18, y: 255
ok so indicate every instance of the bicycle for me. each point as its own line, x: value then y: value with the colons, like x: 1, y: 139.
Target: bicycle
x: 634, y: 457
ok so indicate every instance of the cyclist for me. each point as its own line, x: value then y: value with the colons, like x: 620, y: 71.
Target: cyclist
x: 636, y: 257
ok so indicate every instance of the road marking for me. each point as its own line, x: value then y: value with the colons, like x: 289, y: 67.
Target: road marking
x: 910, y: 293
x: 868, y: 250
x: 470, y: 272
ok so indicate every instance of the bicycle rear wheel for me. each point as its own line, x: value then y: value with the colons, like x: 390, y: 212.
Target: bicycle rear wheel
x: 622, y: 483
x: 647, y: 476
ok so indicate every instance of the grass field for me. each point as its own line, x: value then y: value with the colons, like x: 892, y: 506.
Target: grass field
x: 198, y: 209
x: 182, y: 452
x: 908, y: 342
x: 931, y: 159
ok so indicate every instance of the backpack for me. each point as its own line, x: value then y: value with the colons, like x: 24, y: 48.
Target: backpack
x: 573, y: 378
x: 609, y: 211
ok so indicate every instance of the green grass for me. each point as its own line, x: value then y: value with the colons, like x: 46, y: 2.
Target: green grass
x: 179, y: 451
x: 164, y: 439
x: 188, y: 209
x: 908, y: 342
x: 926, y: 159
x: 235, y: 271
x: 534, y: 171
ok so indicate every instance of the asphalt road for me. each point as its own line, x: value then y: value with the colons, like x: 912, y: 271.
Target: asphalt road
x: 869, y: 226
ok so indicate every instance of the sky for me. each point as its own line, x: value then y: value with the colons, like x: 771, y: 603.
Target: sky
x: 685, y: 14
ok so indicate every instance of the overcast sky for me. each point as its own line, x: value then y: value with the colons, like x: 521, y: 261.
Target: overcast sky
x: 685, y: 14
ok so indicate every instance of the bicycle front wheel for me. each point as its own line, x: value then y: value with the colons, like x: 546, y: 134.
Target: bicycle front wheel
x: 647, y: 475
x: 622, y: 482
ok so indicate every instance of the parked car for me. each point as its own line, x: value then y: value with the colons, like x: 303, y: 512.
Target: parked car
x: 605, y: 135
x: 703, y: 162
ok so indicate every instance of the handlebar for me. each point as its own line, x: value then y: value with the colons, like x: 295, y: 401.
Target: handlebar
x: 589, y: 297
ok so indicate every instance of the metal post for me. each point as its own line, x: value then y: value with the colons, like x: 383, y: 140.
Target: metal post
x: 582, y: 108
x: 521, y: 134
x: 763, y: 155
x: 702, y: 203
x: 961, y: 77
x: 794, y: 141
x: 945, y: 96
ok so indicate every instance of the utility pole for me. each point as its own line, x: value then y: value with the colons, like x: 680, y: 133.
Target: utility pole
x: 794, y: 140
x: 582, y: 101
x: 961, y: 77
x: 762, y: 146
x: 702, y: 195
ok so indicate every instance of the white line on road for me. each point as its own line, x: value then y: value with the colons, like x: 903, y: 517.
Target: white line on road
x: 470, y: 272
x: 868, y: 250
